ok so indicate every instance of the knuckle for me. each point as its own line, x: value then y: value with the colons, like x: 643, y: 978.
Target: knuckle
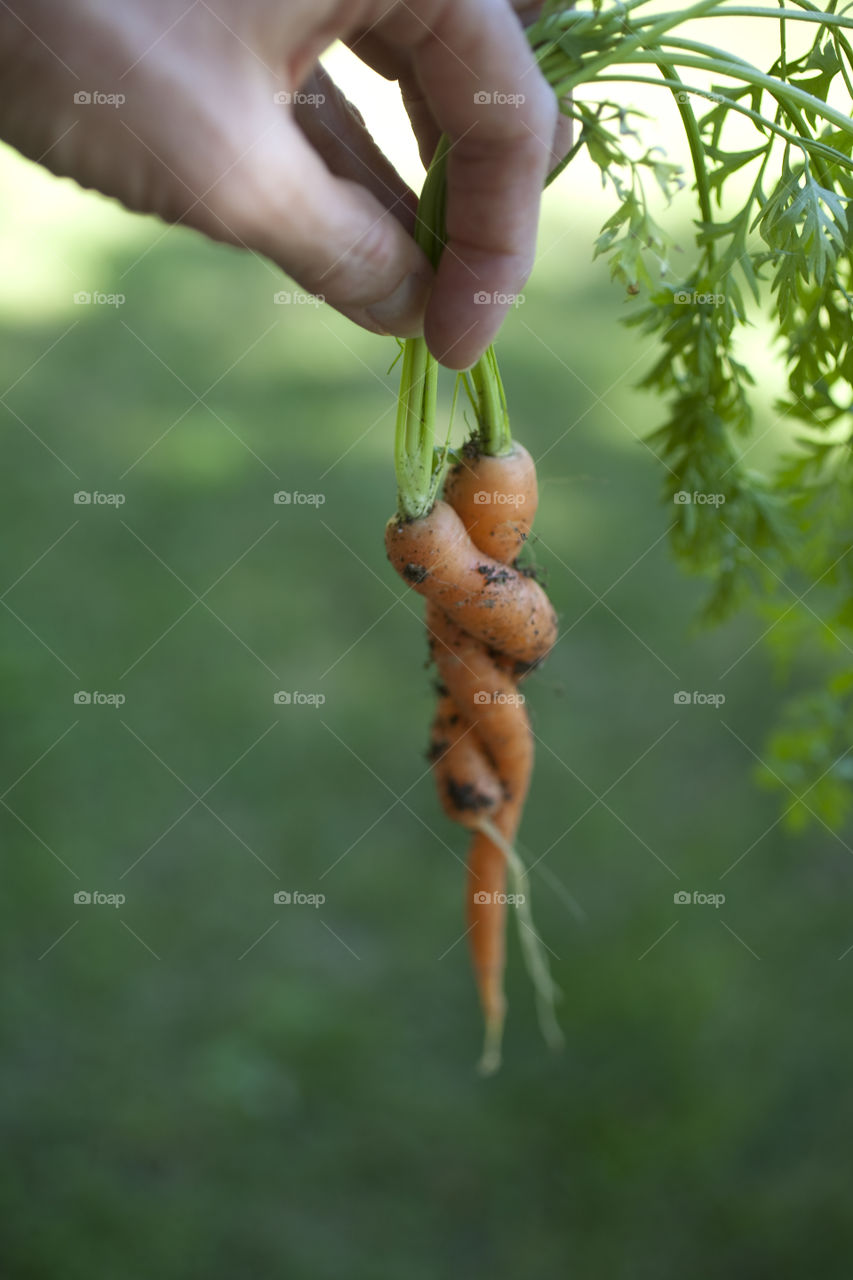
x: 361, y: 272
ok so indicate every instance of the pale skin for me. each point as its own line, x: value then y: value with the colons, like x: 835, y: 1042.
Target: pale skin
x: 201, y: 139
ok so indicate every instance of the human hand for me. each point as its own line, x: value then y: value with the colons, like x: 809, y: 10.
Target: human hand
x: 208, y: 134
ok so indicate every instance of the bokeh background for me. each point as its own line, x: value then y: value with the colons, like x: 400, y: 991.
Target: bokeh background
x: 200, y: 1082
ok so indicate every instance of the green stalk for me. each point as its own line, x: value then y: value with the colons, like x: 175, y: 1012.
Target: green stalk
x: 429, y: 226
x: 415, y: 433
x: 697, y: 150
x: 631, y: 45
x: 805, y: 142
x: 804, y: 13
x: 414, y: 440
x: 495, y: 437
x: 808, y: 13
x: 788, y: 95
x: 417, y: 463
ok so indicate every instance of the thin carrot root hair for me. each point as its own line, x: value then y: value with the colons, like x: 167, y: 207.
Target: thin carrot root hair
x: 546, y: 991
x: 490, y: 1058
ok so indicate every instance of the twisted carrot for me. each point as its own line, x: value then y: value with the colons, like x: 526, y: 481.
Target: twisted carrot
x: 488, y: 623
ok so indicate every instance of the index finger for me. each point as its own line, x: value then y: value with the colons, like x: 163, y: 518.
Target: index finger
x: 487, y: 94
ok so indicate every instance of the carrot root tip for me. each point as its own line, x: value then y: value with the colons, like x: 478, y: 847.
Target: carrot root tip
x: 490, y: 1060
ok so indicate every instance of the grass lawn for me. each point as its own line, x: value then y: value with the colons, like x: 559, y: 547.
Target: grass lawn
x: 202, y: 1082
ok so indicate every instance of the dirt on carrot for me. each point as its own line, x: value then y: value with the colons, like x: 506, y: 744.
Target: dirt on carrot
x: 488, y: 624
x: 503, y: 608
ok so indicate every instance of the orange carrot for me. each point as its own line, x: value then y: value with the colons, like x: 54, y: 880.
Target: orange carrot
x: 468, y: 787
x: 488, y: 625
x: 476, y: 682
x: 496, y: 498
x: 487, y: 695
x: 491, y: 601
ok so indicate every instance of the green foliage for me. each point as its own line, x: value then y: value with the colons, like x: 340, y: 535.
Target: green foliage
x: 631, y: 237
x: 809, y: 755
x: 781, y: 245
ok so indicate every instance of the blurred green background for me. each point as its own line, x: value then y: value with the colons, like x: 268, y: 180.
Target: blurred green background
x: 200, y: 1082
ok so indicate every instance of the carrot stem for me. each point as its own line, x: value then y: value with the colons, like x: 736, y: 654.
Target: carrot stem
x: 415, y: 432
x: 430, y: 231
x: 418, y: 471
x: 417, y: 463
x: 492, y: 413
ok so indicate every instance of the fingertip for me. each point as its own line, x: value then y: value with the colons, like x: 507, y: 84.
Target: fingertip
x: 463, y: 318
x: 455, y: 349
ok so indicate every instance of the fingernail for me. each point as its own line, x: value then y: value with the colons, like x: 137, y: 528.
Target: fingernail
x: 402, y: 312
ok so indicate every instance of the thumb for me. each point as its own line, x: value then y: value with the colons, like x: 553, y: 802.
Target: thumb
x: 333, y: 237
